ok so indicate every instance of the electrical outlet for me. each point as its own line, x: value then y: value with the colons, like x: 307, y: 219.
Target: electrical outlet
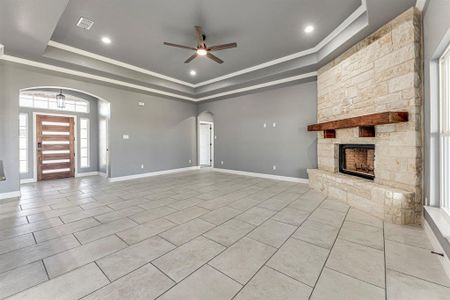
x: 126, y: 137
x: 274, y: 167
x: 264, y: 125
x: 221, y: 162
x: 190, y: 161
x: 142, y: 166
x: 274, y: 124
x: 141, y: 103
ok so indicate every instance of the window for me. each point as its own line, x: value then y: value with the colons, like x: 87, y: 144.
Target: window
x: 84, y: 143
x: 445, y: 130
x: 47, y: 100
x: 23, y: 143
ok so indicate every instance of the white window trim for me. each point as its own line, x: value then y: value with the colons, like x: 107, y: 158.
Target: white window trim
x: 88, y: 145
x: 27, y: 143
x: 52, y: 95
x: 444, y: 121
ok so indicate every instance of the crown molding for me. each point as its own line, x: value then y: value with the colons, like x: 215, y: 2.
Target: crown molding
x: 339, y: 29
x: 44, y: 66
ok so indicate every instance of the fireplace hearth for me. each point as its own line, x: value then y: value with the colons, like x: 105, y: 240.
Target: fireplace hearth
x: 357, y: 160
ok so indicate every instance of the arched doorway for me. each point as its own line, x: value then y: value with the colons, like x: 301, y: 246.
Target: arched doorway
x: 206, y: 139
x: 63, y: 133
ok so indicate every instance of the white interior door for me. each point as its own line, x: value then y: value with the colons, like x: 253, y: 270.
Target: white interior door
x: 205, y: 144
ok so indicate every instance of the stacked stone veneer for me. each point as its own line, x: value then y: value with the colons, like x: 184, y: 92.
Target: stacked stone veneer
x: 381, y: 73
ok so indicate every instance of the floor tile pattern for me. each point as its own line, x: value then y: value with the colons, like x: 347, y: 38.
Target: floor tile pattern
x: 205, y: 235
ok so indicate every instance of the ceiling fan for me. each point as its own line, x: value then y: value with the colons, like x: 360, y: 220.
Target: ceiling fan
x: 202, y: 49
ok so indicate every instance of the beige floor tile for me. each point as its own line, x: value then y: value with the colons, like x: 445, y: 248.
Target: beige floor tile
x: 256, y: 215
x: 205, y: 284
x: 185, y: 232
x: 357, y: 216
x: 186, y: 214
x: 272, y: 233
x: 16, y: 242
x: 97, y: 232
x: 362, y: 234
x: 291, y: 216
x: 242, y: 260
x: 68, y: 260
x: 336, y: 205
x: 316, y: 233
x: 220, y: 215
x: 269, y: 284
x: 22, y: 278
x: 187, y: 258
x: 36, y: 252
x: 153, y: 214
x: 145, y: 283
x: 361, y: 262
x: 115, y: 215
x: 329, y: 217
x: 306, y: 204
x: 410, y: 235
x: 97, y: 211
x: 28, y: 228
x: 73, y: 285
x: 299, y: 260
x: 144, y: 231
x: 129, y: 259
x: 338, y: 286
x: 65, y: 229
x: 415, y: 261
x: 229, y: 232
x: 403, y: 287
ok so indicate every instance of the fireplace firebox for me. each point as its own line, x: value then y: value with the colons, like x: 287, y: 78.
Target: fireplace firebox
x: 357, y: 160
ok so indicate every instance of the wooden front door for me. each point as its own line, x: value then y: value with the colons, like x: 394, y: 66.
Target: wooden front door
x: 55, y: 140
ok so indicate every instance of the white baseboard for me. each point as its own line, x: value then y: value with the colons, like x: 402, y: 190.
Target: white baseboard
x: 157, y: 173
x: 10, y: 195
x: 28, y: 180
x: 87, y: 174
x: 437, y: 246
x: 262, y: 175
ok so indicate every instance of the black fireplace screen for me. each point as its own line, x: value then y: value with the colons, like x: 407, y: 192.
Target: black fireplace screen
x: 357, y: 160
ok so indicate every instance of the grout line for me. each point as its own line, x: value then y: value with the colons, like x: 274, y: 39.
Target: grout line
x: 329, y: 253
x: 95, y: 262
x: 45, y: 268
x: 385, y: 264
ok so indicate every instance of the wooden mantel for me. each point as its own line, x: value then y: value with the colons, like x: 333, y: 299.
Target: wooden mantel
x: 365, y: 123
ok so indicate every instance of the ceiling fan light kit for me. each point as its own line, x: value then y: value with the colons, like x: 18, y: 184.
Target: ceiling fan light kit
x: 202, y: 49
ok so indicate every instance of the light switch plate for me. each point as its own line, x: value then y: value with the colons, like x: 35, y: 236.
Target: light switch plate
x: 141, y: 103
x: 126, y: 137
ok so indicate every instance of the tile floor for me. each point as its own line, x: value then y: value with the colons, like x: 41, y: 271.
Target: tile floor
x: 205, y: 235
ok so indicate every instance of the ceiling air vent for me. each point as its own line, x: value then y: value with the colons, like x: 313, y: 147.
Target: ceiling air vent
x: 85, y: 23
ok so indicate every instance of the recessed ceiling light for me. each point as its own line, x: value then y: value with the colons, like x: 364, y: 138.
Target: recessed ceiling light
x: 193, y: 72
x: 202, y: 52
x: 106, y: 40
x: 309, y: 29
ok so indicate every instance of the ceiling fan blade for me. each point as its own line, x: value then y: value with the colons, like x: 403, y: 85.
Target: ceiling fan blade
x: 199, y: 35
x: 222, y: 47
x: 179, y: 46
x: 191, y: 58
x: 214, y: 58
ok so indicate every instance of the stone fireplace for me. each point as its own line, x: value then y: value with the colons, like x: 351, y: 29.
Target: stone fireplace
x: 380, y: 74
x: 357, y: 160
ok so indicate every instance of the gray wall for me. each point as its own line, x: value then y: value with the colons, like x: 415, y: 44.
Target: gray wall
x: 244, y: 144
x: 162, y: 133
x: 436, y: 23
x: 93, y: 132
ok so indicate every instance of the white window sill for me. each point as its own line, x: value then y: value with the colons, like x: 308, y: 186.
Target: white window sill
x: 441, y: 219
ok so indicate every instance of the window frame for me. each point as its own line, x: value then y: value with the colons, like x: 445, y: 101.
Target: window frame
x: 444, y: 130
x: 49, y: 98
x: 88, y: 165
x: 26, y: 129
